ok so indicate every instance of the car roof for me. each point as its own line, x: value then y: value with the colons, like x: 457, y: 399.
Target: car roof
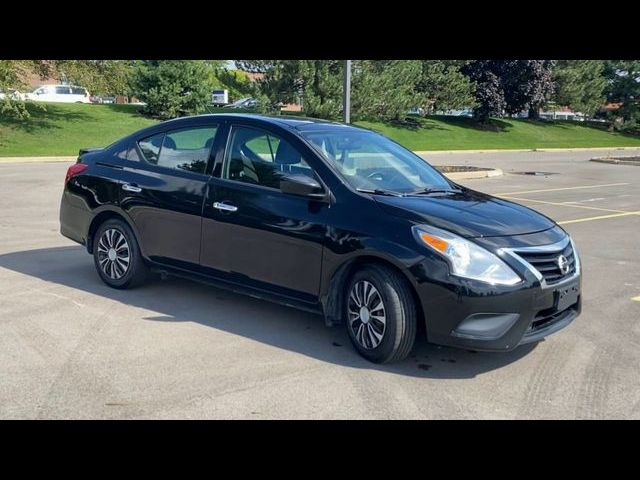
x: 293, y: 122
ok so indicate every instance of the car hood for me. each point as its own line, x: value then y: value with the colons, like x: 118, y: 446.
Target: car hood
x: 467, y: 213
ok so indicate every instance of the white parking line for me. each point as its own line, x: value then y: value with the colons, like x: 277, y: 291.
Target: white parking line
x: 560, y: 189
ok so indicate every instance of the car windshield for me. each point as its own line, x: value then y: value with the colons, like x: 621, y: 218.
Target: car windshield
x: 371, y: 162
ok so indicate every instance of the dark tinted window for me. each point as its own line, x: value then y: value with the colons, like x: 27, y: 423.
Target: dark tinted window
x: 261, y: 158
x: 128, y: 153
x: 150, y: 147
x: 187, y: 149
x: 78, y: 91
x: 62, y: 90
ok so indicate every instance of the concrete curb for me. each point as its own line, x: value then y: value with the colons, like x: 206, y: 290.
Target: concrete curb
x: 37, y: 159
x: 516, y: 150
x: 494, y: 172
x: 616, y: 161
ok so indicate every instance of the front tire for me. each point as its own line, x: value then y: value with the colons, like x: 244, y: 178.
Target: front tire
x: 117, y: 257
x: 381, y: 314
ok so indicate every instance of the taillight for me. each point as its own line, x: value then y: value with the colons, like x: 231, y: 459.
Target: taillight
x: 74, y: 170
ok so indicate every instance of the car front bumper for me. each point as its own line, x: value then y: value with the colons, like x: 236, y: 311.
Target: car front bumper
x: 477, y: 317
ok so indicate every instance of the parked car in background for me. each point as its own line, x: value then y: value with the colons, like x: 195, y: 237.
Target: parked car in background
x: 245, y: 103
x: 59, y: 93
x: 328, y: 218
x: 102, y: 99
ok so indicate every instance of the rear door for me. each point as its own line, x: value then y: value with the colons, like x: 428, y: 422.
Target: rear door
x: 164, y: 194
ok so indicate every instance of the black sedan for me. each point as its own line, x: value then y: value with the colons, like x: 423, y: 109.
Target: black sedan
x: 325, y: 217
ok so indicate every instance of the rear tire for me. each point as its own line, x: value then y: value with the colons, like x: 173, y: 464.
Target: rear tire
x: 116, y: 255
x: 381, y: 314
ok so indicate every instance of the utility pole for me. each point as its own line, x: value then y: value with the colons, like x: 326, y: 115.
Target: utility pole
x: 346, y: 92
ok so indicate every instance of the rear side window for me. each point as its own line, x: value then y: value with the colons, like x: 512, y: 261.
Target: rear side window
x: 150, y: 147
x: 78, y: 91
x: 62, y: 90
x: 187, y: 149
x: 128, y: 153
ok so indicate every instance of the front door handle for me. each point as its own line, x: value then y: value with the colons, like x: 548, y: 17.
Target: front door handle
x: 131, y: 188
x: 225, y: 207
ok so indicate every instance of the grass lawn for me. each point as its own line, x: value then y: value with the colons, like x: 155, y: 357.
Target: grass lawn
x: 460, y: 133
x: 62, y: 129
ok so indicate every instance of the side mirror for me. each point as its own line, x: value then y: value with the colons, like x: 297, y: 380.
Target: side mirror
x: 303, y: 186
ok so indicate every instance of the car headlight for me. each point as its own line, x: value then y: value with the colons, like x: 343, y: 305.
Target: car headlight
x: 465, y: 258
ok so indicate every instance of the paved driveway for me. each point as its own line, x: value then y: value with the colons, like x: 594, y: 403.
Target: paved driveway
x: 70, y: 347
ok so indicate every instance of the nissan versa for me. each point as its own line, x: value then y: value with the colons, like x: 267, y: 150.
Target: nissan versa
x: 325, y: 217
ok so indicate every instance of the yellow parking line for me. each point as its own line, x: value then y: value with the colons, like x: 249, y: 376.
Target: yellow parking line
x: 559, y: 189
x: 561, y: 204
x: 601, y: 217
x: 636, y: 299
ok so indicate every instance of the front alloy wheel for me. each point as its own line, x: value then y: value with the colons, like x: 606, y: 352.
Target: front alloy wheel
x: 381, y: 314
x: 367, y: 318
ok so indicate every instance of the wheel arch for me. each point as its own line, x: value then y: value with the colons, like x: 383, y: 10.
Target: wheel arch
x: 102, y: 216
x: 333, y: 299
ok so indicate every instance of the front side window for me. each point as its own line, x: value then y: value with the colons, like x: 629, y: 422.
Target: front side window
x: 261, y: 158
x: 369, y: 161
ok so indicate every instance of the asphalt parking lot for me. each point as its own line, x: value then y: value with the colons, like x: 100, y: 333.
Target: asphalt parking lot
x: 70, y: 347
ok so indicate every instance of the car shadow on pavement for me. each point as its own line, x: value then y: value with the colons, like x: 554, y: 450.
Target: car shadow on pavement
x: 177, y: 300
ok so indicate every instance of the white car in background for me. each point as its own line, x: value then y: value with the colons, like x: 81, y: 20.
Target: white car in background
x: 59, y: 93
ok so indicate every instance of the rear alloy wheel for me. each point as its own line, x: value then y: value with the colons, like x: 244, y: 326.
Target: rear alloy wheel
x: 381, y: 314
x: 117, y: 256
x: 114, y: 255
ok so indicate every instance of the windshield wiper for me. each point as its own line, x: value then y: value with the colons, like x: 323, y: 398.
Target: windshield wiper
x: 428, y: 190
x: 379, y: 191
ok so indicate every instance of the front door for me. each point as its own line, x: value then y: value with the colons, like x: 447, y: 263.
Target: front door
x: 164, y: 194
x: 252, y: 232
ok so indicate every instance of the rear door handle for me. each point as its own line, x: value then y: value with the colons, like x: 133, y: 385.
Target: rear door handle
x: 131, y: 188
x: 225, y: 207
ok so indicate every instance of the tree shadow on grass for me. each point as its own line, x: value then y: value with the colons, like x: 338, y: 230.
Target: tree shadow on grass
x: 132, y: 110
x: 177, y: 300
x: 43, y: 118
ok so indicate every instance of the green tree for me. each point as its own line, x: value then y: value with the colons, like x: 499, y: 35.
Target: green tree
x: 580, y: 84
x: 100, y: 77
x: 624, y: 87
x: 316, y: 84
x: 444, y: 86
x: 385, y: 89
x: 172, y: 88
x: 236, y: 81
x: 12, y: 73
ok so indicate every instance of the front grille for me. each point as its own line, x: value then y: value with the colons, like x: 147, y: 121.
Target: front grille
x: 546, y: 263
